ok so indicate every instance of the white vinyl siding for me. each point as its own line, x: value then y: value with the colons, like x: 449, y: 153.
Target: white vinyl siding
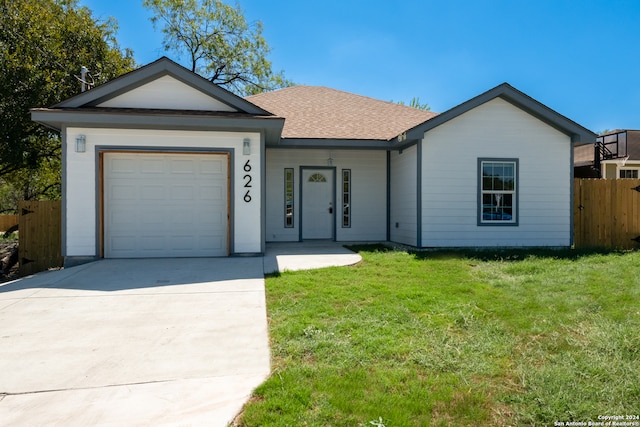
x: 169, y: 93
x: 404, y: 196
x: 496, y: 129
x: 82, y: 198
x: 368, y: 191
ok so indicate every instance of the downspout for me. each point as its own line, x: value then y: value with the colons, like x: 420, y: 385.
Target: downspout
x: 388, y: 195
x: 571, y: 193
x: 419, y: 195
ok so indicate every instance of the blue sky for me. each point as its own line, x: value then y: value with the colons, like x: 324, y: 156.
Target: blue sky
x: 580, y: 58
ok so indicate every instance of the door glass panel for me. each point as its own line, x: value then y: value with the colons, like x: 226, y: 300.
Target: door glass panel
x: 317, y: 177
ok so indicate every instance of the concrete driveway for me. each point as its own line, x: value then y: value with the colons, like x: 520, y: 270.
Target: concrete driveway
x: 133, y: 342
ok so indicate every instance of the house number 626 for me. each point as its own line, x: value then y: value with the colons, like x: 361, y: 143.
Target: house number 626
x: 247, y: 184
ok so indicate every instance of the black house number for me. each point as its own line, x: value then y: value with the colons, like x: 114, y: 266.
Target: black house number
x: 247, y: 181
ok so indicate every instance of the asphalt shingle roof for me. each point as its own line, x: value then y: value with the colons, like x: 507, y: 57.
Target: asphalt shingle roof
x: 316, y: 112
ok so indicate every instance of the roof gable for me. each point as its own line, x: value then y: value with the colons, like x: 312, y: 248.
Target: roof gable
x: 166, y: 92
x: 163, y: 84
x: 578, y: 134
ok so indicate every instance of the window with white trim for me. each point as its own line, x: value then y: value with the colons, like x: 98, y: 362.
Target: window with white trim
x: 498, y: 186
x: 629, y: 173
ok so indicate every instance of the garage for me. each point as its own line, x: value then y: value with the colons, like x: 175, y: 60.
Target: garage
x: 160, y: 162
x: 165, y: 204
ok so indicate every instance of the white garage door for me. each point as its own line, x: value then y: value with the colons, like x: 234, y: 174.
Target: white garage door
x: 165, y: 205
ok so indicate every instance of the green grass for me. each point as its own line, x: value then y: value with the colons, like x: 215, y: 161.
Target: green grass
x: 453, y: 339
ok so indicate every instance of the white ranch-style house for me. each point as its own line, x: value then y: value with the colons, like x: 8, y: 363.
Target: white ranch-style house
x: 163, y: 163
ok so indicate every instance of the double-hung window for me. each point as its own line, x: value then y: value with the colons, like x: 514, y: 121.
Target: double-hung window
x: 498, y: 192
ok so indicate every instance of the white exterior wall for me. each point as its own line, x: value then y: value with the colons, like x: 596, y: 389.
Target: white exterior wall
x: 404, y: 191
x: 496, y: 129
x: 166, y: 92
x: 80, y: 181
x: 368, y: 192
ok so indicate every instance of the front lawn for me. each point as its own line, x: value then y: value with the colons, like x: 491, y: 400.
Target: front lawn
x: 453, y: 339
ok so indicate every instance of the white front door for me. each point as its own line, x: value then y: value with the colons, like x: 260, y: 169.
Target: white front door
x: 317, y: 204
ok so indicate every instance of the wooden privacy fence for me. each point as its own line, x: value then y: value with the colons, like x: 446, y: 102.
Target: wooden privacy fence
x: 607, y: 213
x: 7, y: 221
x: 40, y: 236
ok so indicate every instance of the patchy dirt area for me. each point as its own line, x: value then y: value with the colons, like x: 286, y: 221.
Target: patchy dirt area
x: 6, y: 248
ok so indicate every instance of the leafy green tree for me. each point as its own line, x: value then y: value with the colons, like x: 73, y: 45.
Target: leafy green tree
x: 30, y: 184
x: 43, y: 45
x: 220, y: 44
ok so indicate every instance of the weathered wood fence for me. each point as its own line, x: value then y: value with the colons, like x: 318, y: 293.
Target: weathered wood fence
x: 40, y: 236
x: 607, y: 213
x: 7, y: 221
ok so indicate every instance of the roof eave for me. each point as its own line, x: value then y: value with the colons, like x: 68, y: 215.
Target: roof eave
x: 58, y: 119
x: 329, y: 143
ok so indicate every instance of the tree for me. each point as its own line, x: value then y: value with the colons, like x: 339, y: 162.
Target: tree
x: 219, y: 42
x: 42, y: 182
x: 43, y: 45
x: 415, y: 103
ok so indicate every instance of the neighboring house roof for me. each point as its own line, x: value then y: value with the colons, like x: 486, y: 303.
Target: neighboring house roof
x: 321, y: 113
x: 578, y: 134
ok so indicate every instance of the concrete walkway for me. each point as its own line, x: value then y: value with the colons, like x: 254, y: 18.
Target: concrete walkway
x: 142, y: 342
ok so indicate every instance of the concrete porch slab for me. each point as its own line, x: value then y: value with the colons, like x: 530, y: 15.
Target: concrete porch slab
x: 308, y: 255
